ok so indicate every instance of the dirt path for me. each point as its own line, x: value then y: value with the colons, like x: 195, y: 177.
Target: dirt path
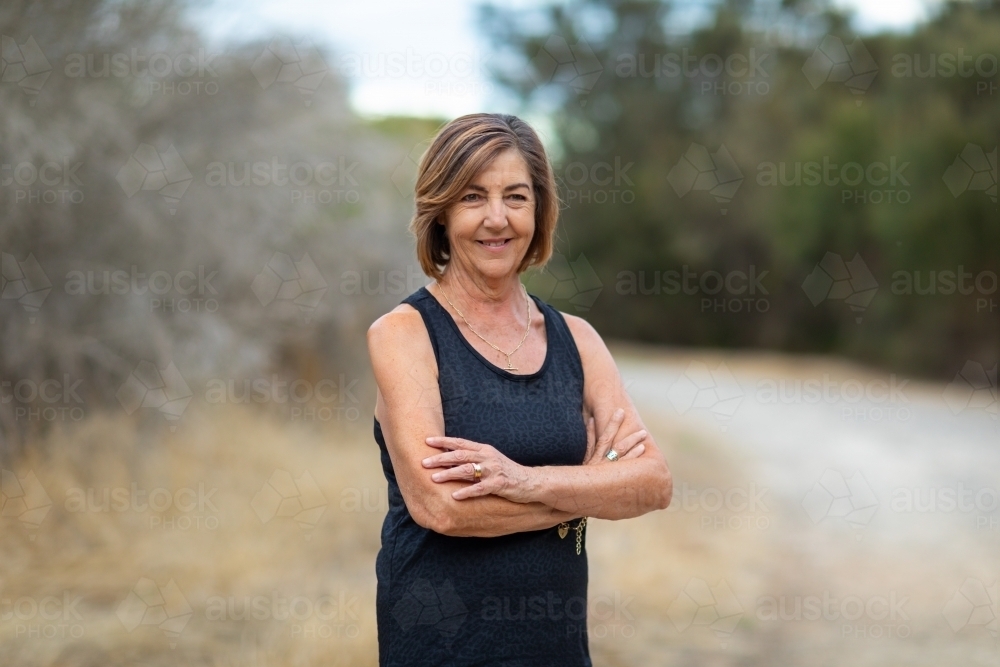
x: 863, y: 510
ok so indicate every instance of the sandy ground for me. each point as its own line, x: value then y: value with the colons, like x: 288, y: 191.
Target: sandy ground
x: 859, y: 525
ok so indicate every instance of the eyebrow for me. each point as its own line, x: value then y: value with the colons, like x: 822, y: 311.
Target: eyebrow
x: 515, y: 186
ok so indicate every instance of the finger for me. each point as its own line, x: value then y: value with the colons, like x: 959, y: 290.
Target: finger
x: 635, y: 452
x: 472, y: 491
x: 451, y: 458
x: 610, y: 431
x: 591, y: 441
x: 453, y: 443
x: 613, y: 425
x: 628, y: 442
x: 465, y: 472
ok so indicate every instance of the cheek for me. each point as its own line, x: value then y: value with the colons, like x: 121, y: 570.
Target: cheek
x: 462, y: 220
x: 524, y: 219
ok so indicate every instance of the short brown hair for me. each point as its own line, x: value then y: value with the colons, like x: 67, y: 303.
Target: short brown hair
x: 461, y: 149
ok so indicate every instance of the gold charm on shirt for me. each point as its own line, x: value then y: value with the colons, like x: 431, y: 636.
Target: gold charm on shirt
x: 564, y: 530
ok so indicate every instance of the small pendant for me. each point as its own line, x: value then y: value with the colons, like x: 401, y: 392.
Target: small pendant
x: 563, y: 530
x: 509, y: 367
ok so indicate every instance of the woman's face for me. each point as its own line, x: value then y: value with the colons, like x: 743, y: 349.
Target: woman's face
x: 491, y: 225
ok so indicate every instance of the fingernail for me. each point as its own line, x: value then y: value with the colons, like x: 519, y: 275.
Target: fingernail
x: 643, y: 433
x: 426, y: 461
x: 619, y: 411
x: 430, y: 439
x: 436, y: 476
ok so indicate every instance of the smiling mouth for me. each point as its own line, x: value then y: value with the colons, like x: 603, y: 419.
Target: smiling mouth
x: 494, y: 244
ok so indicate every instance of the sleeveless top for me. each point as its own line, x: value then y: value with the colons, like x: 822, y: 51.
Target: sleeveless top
x: 518, y: 599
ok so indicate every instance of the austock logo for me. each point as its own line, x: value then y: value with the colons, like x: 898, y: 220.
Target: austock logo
x: 833, y: 62
x: 148, y: 169
x: 563, y: 280
x: 859, y: 616
x: 24, y: 282
x: 404, y: 176
x: 150, y: 604
x: 47, y: 400
x: 974, y: 388
x: 22, y: 497
x: 699, y: 170
x: 736, y: 508
x: 833, y: 278
x: 163, y: 389
x: 42, y: 617
x: 833, y: 496
x: 432, y: 389
x: 559, y: 63
x: 284, y: 279
x: 425, y: 604
x: 326, y: 182
x: 974, y: 604
x: 973, y: 170
x: 284, y: 496
x: 321, y: 617
x: 298, y: 64
x: 49, y: 182
x: 25, y: 65
x: 702, y: 605
x: 700, y: 387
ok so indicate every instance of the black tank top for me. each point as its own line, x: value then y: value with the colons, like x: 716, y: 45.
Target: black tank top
x: 518, y: 599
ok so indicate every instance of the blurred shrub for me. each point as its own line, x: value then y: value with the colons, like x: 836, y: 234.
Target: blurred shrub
x: 244, y: 189
x: 725, y: 148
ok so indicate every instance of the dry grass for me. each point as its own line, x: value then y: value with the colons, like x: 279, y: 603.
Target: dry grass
x: 228, y: 550
x: 222, y: 549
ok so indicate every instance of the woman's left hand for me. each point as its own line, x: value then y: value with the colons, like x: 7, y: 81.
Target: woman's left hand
x: 500, y: 476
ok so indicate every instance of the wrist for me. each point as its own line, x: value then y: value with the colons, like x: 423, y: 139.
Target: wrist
x: 533, y: 483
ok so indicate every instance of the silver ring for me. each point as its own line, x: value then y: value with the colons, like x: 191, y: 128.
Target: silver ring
x: 612, y: 455
x: 478, y: 471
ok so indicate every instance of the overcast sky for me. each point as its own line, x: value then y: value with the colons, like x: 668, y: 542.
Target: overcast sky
x: 438, y: 52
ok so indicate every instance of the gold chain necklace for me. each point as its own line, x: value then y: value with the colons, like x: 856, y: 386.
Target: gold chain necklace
x: 507, y: 354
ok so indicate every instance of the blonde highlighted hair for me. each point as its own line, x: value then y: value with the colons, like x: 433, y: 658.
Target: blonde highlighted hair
x: 461, y: 149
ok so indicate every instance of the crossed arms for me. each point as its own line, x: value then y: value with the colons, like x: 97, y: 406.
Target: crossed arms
x: 434, y: 473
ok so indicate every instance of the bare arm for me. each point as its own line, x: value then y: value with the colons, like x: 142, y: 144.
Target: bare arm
x: 626, y: 489
x: 408, y: 408
x: 638, y: 483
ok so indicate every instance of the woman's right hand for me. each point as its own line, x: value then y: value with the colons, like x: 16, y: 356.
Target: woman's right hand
x: 628, y: 447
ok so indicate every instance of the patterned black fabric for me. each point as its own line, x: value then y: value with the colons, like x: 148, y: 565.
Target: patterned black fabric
x: 517, y: 599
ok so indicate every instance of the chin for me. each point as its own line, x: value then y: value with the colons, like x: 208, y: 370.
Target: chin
x: 496, y: 269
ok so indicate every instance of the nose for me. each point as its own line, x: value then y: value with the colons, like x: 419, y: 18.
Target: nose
x: 496, y: 213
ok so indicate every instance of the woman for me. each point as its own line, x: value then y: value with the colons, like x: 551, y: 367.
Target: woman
x: 487, y: 409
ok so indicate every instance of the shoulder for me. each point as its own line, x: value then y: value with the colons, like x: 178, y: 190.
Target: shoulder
x: 587, y: 340
x: 400, y: 325
x: 602, y: 380
x: 399, y: 348
x: 398, y: 335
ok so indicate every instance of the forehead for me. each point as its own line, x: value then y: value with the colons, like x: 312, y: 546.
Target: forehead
x: 509, y: 164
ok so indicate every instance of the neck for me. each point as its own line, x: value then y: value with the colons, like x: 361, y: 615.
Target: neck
x: 480, y: 296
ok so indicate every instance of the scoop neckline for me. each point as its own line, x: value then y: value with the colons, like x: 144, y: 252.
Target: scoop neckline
x: 489, y: 364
